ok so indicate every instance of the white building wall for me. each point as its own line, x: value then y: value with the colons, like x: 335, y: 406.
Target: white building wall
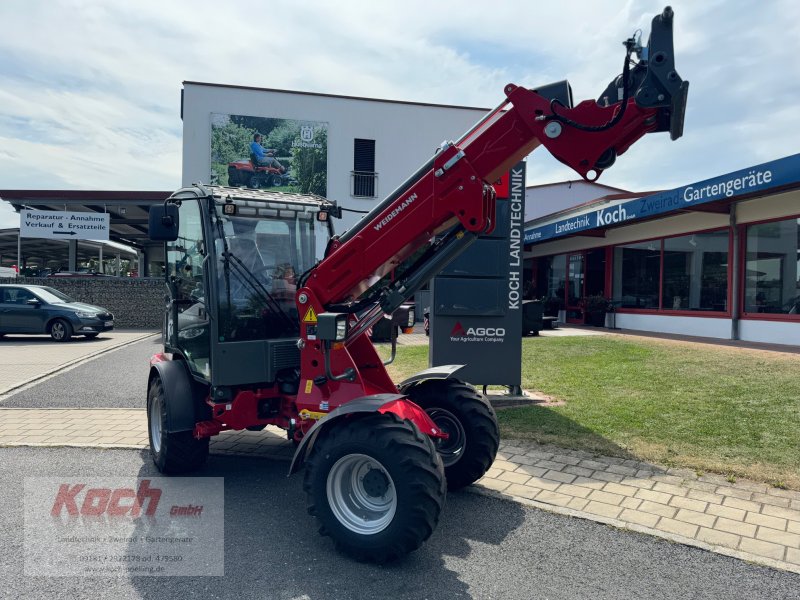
x: 698, y: 326
x: 406, y: 135
x: 770, y: 332
x: 543, y: 200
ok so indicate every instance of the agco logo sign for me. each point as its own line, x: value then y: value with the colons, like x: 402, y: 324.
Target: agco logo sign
x: 476, y: 334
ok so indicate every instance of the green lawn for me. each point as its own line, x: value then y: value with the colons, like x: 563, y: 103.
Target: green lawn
x: 705, y: 407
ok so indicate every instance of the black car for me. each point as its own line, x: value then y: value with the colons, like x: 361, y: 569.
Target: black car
x: 40, y: 309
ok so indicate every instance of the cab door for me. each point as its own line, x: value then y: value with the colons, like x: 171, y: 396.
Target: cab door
x: 187, y: 323
x: 17, y: 316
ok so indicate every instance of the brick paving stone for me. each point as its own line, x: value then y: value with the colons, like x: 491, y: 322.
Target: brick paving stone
x: 682, y: 473
x: 762, y: 548
x: 608, y: 476
x: 737, y: 527
x: 655, y: 508
x: 602, y: 509
x: 492, y: 473
x: 505, y: 465
x: 549, y: 464
x: 610, y: 460
x: 688, y: 503
x: 565, y: 459
x: 733, y: 492
x: 644, y: 473
x: 545, y: 484
x: 584, y: 472
x: 623, y: 490
x: 589, y: 483
x: 790, y: 540
x: 766, y: 521
x: 577, y: 503
x: 638, y: 482
x: 771, y: 500
x: 793, y: 526
x: 669, y: 488
x: 621, y: 470
x: 741, y: 504
x: 521, y: 459
x: 677, y: 527
x: 705, y: 497
x: 553, y: 498
x: 718, y: 538
x: 631, y: 503
x: 793, y: 556
x: 664, y: 478
x: 734, y: 514
x: 696, y: 518
x: 795, y: 504
x: 592, y: 464
x: 601, y: 496
x: 520, y: 478
x: 751, y: 486
x: 640, y: 518
x: 524, y: 491
x: 538, y: 455
x: 573, y: 490
x: 791, y: 494
x: 529, y: 470
x: 713, y: 478
x: 559, y: 476
x: 659, y: 497
x: 701, y: 486
x: 777, y: 511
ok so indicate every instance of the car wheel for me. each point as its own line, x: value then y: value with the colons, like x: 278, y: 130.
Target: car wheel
x: 60, y: 330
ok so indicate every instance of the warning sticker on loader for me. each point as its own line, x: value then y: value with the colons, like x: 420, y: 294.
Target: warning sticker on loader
x: 311, y: 316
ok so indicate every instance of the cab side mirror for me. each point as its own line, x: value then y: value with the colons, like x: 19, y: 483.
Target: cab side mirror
x: 163, y: 222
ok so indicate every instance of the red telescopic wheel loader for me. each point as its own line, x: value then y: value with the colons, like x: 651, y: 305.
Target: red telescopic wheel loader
x: 247, y: 345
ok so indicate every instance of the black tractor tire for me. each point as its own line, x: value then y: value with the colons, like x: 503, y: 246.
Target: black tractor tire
x: 393, y: 455
x: 254, y: 182
x: 60, y: 330
x: 474, y: 437
x: 172, y: 453
x: 276, y: 181
x: 90, y: 336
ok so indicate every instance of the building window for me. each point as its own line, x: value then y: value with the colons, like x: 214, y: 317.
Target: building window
x: 636, y: 274
x: 772, y: 268
x: 696, y: 272
x: 363, y: 178
x: 687, y: 273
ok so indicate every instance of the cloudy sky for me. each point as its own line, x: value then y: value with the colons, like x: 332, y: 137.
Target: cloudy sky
x: 90, y: 90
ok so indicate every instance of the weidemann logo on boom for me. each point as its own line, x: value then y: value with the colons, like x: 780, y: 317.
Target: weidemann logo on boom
x: 397, y: 210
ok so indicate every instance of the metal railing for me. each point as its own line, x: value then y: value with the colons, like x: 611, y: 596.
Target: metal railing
x: 363, y: 184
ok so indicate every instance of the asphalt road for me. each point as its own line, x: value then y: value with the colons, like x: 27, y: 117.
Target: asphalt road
x: 117, y: 379
x: 483, y: 548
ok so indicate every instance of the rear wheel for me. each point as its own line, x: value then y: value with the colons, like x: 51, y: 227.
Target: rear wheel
x: 470, y: 422
x: 376, y: 486
x: 254, y: 182
x: 60, y: 330
x: 172, y: 452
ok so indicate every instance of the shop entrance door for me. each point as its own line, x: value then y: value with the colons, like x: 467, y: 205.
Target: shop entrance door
x: 576, y: 280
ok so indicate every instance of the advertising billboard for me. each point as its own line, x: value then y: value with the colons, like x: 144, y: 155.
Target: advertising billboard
x: 263, y: 152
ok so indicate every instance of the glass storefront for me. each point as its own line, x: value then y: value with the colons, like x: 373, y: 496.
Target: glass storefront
x: 772, y: 268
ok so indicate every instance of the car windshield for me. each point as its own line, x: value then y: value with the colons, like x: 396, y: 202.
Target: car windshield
x: 51, y: 296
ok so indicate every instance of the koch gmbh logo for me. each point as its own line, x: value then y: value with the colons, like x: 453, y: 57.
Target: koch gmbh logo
x: 306, y: 133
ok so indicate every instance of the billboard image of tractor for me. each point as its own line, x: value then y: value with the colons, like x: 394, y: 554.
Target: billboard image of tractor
x: 269, y: 153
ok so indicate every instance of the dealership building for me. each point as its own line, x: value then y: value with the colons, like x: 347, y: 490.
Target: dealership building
x: 718, y: 258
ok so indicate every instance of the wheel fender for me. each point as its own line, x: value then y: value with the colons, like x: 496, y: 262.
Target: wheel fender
x: 394, y: 403
x: 178, y: 393
x: 440, y: 372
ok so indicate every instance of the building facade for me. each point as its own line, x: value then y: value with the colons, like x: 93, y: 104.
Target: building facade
x: 718, y: 258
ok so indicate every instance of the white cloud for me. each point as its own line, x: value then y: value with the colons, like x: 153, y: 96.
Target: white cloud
x: 90, y: 90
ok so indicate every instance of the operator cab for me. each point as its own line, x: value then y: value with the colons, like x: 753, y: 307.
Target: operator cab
x: 234, y: 258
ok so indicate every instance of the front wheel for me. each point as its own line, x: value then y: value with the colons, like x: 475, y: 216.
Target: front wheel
x: 176, y: 452
x: 61, y: 330
x: 470, y: 422
x: 376, y: 486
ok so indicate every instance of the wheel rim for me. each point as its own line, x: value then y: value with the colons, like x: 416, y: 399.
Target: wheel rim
x: 452, y: 449
x: 361, y: 494
x: 155, y: 423
x: 58, y: 330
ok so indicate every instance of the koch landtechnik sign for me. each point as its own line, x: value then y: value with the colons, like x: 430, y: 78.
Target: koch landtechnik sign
x: 762, y: 177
